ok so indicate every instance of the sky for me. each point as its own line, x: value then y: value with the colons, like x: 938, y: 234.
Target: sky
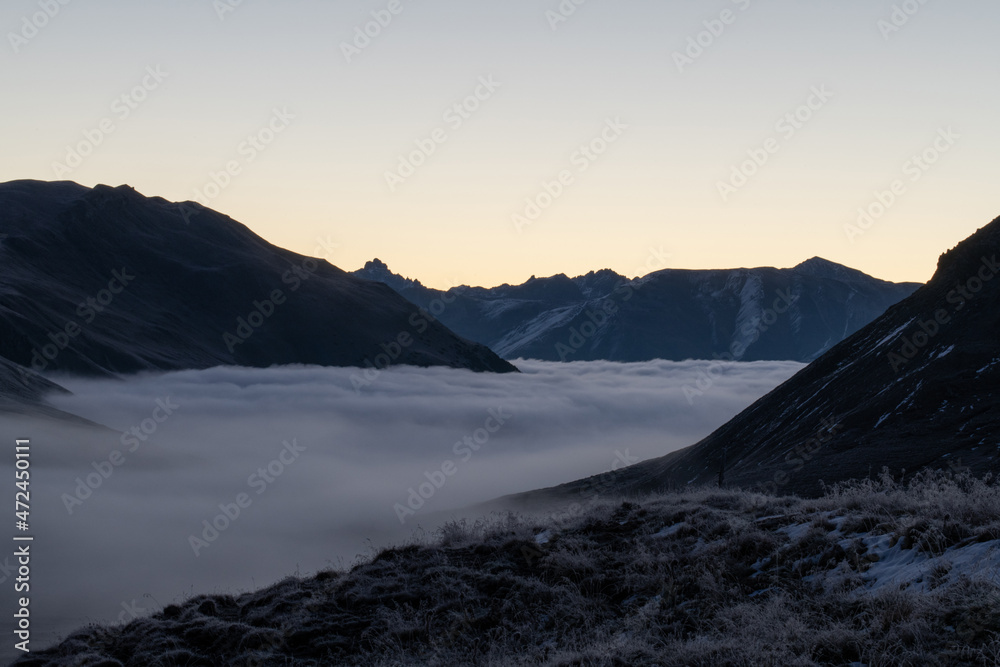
x: 724, y: 133
x: 115, y: 510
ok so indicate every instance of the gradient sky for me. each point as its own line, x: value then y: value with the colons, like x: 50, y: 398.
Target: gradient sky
x: 319, y: 188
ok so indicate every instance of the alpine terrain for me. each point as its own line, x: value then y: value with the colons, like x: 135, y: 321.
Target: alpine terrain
x: 745, y: 314
x: 917, y: 388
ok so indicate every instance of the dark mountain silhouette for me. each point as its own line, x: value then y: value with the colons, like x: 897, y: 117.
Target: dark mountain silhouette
x: 23, y: 392
x: 917, y: 388
x: 747, y: 314
x: 105, y: 280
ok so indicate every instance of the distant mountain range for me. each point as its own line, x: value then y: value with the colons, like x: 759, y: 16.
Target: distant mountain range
x: 105, y: 281
x: 744, y: 314
x: 917, y: 388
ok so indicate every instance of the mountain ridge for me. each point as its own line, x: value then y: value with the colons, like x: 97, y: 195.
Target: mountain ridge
x: 104, y: 281
x: 673, y: 314
x: 918, y: 388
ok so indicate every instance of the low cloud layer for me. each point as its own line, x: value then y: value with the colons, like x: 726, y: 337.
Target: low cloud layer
x: 319, y: 471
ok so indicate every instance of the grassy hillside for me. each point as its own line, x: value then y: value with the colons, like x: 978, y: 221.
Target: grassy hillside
x: 873, y: 573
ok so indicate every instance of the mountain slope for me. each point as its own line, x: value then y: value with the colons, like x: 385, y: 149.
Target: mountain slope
x: 747, y: 314
x: 917, y: 388
x: 23, y: 391
x: 108, y: 281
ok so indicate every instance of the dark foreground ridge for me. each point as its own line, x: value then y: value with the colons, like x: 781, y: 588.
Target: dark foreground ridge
x: 104, y: 281
x: 874, y: 573
x: 917, y: 388
x: 23, y: 393
x: 18, y: 385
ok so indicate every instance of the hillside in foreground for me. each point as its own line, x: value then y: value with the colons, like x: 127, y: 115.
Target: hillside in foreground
x: 872, y: 573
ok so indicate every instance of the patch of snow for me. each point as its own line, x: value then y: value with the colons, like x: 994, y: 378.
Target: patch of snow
x: 670, y: 530
x: 797, y: 531
x: 989, y: 365
x: 550, y: 319
x: 894, y: 334
x: 945, y: 352
x: 898, y: 566
x: 910, y: 568
x: 748, y: 320
x: 908, y: 401
x: 497, y: 307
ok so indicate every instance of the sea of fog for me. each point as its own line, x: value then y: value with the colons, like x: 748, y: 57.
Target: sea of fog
x: 320, y: 469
